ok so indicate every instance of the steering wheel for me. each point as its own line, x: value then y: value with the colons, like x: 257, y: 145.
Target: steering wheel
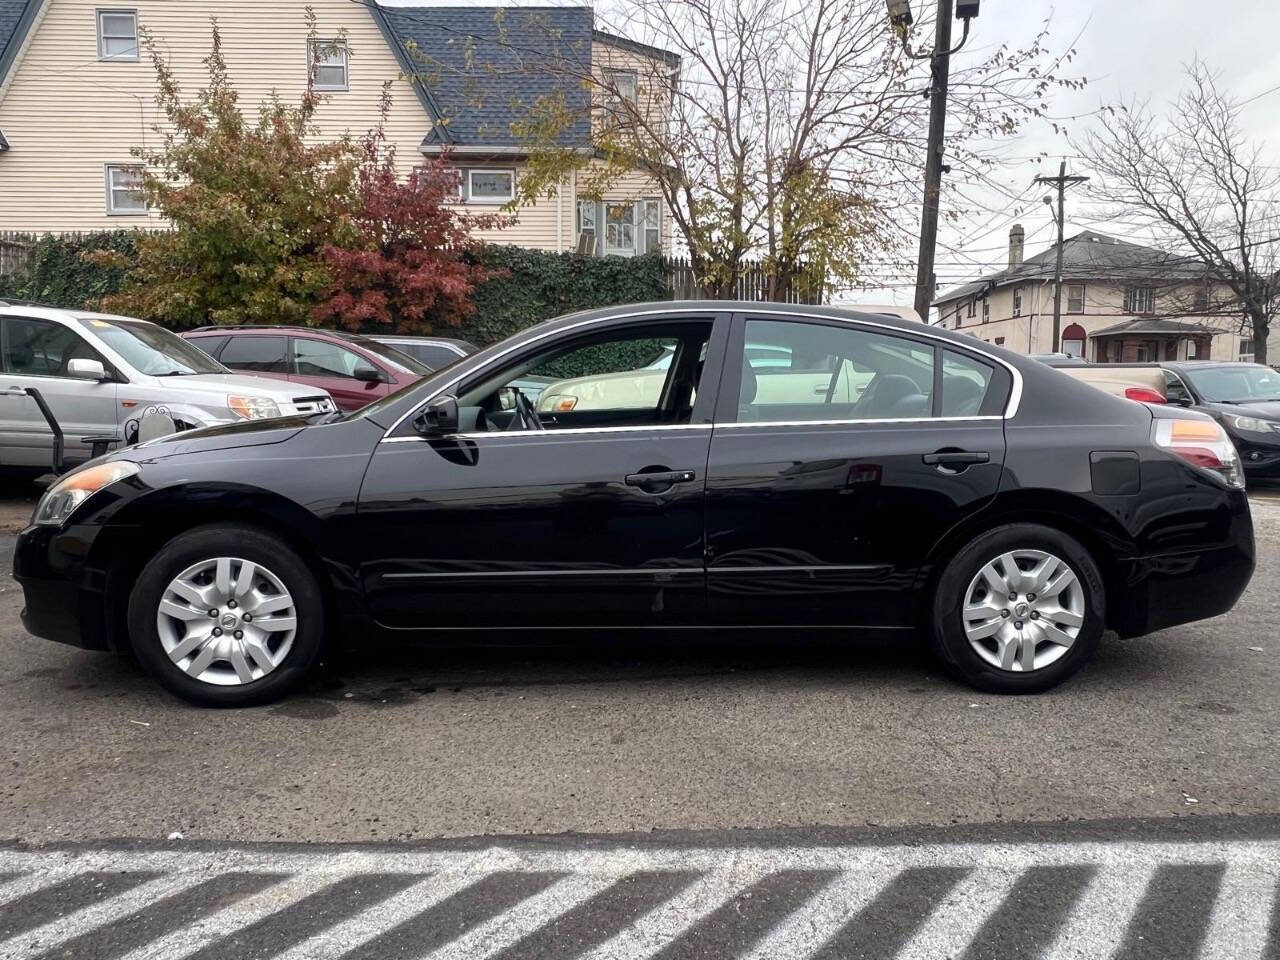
x: 526, y: 416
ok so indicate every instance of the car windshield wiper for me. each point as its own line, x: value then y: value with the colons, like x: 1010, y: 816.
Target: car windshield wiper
x: 174, y: 373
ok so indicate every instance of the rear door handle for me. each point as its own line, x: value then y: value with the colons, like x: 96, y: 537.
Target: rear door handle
x: 956, y: 458
x: 664, y: 478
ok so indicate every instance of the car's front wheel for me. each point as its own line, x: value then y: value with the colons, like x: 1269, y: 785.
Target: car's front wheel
x: 226, y: 616
x: 1018, y: 610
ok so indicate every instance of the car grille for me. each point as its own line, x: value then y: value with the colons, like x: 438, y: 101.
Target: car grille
x: 307, y: 406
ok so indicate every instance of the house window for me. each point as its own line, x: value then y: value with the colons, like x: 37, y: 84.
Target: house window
x: 999, y: 341
x: 1192, y: 349
x: 620, y: 228
x: 652, y: 225
x: 329, y: 64
x: 1245, y: 354
x: 1202, y: 301
x: 986, y: 309
x: 1148, y: 351
x: 491, y: 186
x: 619, y: 85
x: 1017, y: 302
x: 1115, y: 350
x: 1075, y: 298
x: 124, y: 196
x: 1073, y: 348
x: 1139, y: 300
x: 972, y: 307
x: 118, y: 35
x: 587, y: 227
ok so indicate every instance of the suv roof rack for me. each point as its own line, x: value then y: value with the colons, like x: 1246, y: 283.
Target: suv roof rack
x: 10, y: 302
x: 208, y: 327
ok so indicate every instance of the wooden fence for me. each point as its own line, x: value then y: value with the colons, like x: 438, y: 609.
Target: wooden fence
x: 752, y: 284
x: 17, y: 251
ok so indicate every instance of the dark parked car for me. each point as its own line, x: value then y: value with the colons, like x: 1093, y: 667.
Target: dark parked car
x: 433, y: 352
x: 355, y: 370
x: 1006, y: 510
x: 1243, y: 397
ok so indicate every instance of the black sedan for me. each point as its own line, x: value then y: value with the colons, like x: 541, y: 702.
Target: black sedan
x: 1243, y: 397
x: 863, y: 474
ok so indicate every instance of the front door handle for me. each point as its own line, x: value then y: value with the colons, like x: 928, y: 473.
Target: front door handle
x: 956, y: 458
x: 660, y: 478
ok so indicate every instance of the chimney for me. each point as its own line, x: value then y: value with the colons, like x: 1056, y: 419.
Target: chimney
x: 1016, y: 238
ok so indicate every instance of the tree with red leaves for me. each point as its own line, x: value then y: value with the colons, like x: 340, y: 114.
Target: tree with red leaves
x: 410, y: 267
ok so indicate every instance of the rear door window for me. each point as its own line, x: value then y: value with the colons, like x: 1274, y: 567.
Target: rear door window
x: 210, y: 345
x: 260, y: 354
x: 320, y: 358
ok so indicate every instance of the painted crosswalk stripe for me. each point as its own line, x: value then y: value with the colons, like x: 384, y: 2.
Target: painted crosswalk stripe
x: 1248, y: 905
x: 33, y: 903
x: 661, y: 925
x: 815, y: 921
x: 1098, y: 923
x: 73, y: 924
x: 896, y: 912
x: 507, y: 928
x: 1029, y: 918
x: 954, y: 922
x: 1172, y: 918
x: 243, y: 913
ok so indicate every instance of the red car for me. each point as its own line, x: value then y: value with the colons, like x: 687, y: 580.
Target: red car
x: 354, y: 369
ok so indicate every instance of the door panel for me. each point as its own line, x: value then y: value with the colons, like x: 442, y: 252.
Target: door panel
x: 534, y: 529
x: 822, y: 511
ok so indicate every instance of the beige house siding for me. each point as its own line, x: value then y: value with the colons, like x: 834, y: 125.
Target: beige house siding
x: 1104, y: 306
x: 67, y: 115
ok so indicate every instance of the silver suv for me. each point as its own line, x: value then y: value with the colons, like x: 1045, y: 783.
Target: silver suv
x: 101, y: 374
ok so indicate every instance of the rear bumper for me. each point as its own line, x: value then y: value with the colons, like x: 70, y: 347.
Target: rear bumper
x: 65, y: 599
x: 1183, y: 586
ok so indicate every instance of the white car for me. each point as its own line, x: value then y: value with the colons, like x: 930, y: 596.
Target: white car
x: 101, y: 374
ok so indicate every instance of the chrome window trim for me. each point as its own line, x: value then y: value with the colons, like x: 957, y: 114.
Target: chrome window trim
x: 521, y: 434
x: 713, y: 307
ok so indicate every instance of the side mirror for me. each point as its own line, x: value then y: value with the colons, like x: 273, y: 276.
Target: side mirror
x: 367, y: 374
x: 438, y: 418
x: 83, y: 368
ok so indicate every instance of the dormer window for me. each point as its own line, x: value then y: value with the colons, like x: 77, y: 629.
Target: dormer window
x: 118, y: 35
x: 620, y: 85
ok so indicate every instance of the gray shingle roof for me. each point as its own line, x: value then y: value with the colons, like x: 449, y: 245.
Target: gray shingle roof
x: 13, y: 15
x: 1089, y: 256
x: 1154, y: 325
x: 483, y: 68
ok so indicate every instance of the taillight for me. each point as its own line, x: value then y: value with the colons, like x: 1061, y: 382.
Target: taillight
x: 1144, y: 395
x: 1203, y: 444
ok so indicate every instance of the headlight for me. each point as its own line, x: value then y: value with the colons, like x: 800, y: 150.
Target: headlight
x: 253, y: 408
x: 1247, y: 424
x: 61, y: 500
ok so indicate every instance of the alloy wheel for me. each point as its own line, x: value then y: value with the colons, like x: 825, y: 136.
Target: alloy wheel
x: 226, y: 621
x: 1023, y: 610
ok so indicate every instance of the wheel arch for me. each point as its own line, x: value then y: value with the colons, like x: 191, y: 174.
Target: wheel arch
x: 134, y: 534
x: 1096, y: 530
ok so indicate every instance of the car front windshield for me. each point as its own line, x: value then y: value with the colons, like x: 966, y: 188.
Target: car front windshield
x: 395, y: 359
x: 150, y: 349
x: 1236, y: 383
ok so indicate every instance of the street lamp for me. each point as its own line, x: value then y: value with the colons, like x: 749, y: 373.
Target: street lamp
x: 939, y: 70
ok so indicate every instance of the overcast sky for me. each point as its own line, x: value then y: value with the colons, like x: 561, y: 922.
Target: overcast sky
x: 1125, y: 48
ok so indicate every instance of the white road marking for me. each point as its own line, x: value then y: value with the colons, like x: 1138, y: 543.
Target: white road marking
x: 1241, y: 915
x: 1097, y: 925
x: 956, y: 919
x: 512, y: 925
x: 97, y: 914
x: 232, y: 919
x: 376, y: 920
x: 820, y: 918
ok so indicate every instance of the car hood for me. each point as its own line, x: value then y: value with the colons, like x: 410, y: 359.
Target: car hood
x: 247, y: 433
x: 240, y: 384
x: 1266, y: 409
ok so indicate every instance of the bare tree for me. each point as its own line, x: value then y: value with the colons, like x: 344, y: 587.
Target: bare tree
x: 1197, y: 184
x: 792, y: 132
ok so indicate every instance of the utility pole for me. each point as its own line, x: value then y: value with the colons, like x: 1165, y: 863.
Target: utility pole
x: 939, y: 76
x: 1061, y: 181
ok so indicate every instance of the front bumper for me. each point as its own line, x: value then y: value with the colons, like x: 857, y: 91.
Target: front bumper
x: 1261, y: 458
x: 65, y: 597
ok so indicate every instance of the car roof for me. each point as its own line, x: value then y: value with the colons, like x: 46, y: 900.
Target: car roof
x: 276, y: 329
x: 36, y: 311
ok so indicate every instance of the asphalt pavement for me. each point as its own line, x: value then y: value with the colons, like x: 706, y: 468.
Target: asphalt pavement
x: 699, y: 798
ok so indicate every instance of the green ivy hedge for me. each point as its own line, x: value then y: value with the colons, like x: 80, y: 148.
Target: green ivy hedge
x: 525, y: 286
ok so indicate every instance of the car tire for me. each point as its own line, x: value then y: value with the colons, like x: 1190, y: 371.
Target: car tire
x: 1003, y: 645
x: 234, y: 569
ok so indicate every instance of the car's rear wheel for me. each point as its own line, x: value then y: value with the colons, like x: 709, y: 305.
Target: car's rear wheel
x: 1018, y: 610
x: 226, y: 616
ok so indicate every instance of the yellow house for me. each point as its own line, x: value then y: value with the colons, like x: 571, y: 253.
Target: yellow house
x: 77, y: 93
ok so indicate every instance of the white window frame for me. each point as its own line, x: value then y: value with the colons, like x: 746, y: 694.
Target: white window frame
x: 471, y: 194
x: 1075, y: 286
x: 619, y: 251
x: 1073, y: 348
x: 1241, y: 354
x: 1140, y: 300
x: 109, y: 170
x: 587, y: 207
x: 647, y: 205
x: 1017, y: 301
x: 100, y: 15
x: 335, y: 47
x: 613, y: 94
